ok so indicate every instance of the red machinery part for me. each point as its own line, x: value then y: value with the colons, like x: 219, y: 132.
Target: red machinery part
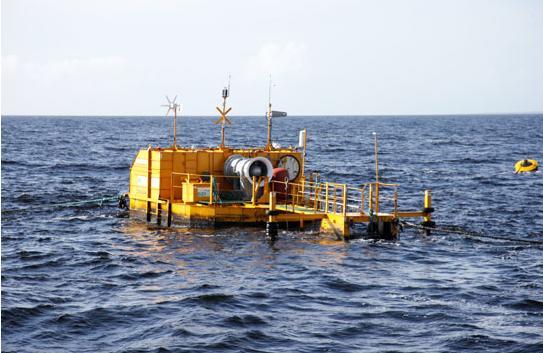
x: 279, y: 183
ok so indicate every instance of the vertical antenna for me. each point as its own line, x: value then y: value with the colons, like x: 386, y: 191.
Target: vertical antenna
x: 175, y: 127
x: 269, y: 91
x: 302, y: 142
x: 269, y: 114
x: 229, y: 77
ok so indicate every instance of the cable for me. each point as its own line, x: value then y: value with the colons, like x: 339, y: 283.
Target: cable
x: 100, y: 201
x: 449, y: 230
x: 469, y: 233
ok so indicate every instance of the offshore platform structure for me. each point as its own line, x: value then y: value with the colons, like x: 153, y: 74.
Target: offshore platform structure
x: 224, y: 185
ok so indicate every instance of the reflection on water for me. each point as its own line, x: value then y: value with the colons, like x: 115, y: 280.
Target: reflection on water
x: 170, y: 245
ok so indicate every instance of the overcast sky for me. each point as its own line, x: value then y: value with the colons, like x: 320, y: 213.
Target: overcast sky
x: 120, y: 57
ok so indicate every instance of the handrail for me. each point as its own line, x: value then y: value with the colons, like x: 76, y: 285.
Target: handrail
x: 178, y: 178
x: 335, y: 198
x: 215, y: 188
x: 327, y: 197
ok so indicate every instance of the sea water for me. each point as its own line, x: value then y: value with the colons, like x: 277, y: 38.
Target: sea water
x: 87, y: 279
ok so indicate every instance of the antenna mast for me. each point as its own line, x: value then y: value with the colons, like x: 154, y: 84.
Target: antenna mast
x: 269, y: 145
x: 223, y: 119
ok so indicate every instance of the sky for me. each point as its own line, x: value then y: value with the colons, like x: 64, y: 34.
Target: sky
x: 382, y: 57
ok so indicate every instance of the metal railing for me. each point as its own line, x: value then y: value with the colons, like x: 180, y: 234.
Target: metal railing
x: 326, y: 197
x: 339, y: 198
x: 222, y: 188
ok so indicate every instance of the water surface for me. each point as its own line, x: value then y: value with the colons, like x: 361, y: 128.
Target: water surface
x: 82, y: 279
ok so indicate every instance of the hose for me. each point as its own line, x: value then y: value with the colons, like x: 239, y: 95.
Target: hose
x: 99, y: 201
x: 457, y: 230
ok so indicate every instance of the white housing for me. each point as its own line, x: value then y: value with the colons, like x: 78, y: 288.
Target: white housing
x: 248, y: 167
x: 301, y: 139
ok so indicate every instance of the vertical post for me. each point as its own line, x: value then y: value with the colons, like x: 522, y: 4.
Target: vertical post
x: 266, y: 189
x: 171, y: 187
x: 370, y: 198
x: 428, y: 223
x: 303, y: 192
x: 295, y: 196
x: 326, y: 198
x: 304, y: 151
x: 253, y: 197
x: 316, y: 198
x: 427, y: 205
x: 271, y: 225
x: 334, y: 206
x: 344, y: 199
x: 149, y: 177
x: 223, y: 122
x: 211, y: 180
x: 376, y: 197
x: 362, y: 196
x: 269, y: 142
x: 309, y: 188
x: 272, y: 203
x: 296, y: 193
x: 395, y: 203
x: 169, y: 214
x: 171, y: 181
x: 225, y: 94
x: 376, y: 174
x: 258, y: 182
x: 175, y: 126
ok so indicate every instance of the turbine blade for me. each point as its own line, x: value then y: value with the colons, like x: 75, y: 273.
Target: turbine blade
x: 174, y: 99
x: 168, y: 98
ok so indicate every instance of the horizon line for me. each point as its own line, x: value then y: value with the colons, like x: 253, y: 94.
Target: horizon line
x: 257, y: 116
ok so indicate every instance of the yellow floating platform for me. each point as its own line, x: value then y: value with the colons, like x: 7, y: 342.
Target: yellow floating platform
x: 170, y: 186
x: 260, y: 185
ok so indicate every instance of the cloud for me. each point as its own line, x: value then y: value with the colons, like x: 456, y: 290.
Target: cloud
x: 276, y: 59
x: 64, y: 68
x: 9, y: 64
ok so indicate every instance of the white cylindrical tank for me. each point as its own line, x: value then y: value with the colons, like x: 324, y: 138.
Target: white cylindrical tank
x: 301, y: 139
x: 248, y: 167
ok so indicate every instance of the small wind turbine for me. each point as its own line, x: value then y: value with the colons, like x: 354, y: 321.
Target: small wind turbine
x: 175, y: 107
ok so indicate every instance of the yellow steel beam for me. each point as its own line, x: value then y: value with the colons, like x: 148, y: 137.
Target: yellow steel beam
x: 148, y: 199
x: 296, y: 217
x: 411, y: 214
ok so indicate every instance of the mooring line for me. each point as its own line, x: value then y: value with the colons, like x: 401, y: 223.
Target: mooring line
x: 469, y: 233
x: 99, y: 201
